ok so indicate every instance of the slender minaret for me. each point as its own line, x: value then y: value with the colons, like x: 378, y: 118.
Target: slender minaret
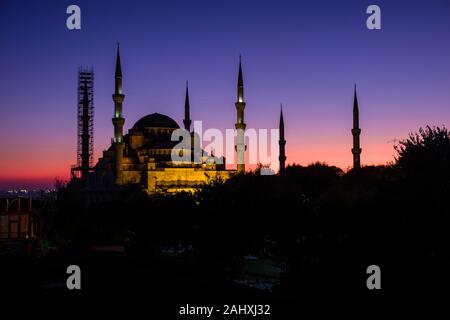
x: 282, y: 144
x: 240, y: 124
x: 187, y: 120
x: 356, y: 131
x: 85, y: 136
x: 118, y: 122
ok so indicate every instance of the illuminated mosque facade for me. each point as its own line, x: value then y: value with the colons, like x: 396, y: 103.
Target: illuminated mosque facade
x: 144, y: 156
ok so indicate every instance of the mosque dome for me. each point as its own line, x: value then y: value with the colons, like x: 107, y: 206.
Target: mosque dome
x: 155, y: 120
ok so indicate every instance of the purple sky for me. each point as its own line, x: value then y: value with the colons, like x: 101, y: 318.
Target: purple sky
x: 305, y: 54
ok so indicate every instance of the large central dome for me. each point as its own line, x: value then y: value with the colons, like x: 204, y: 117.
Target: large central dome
x: 155, y: 120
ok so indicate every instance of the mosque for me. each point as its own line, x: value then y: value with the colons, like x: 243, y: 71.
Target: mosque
x: 143, y: 156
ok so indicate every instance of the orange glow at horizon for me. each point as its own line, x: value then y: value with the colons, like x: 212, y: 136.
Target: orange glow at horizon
x: 54, y: 164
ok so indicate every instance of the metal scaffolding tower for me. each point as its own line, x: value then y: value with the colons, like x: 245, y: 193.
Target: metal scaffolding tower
x: 85, y: 124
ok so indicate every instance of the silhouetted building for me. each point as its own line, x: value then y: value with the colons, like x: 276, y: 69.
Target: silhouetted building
x: 18, y: 222
x: 356, y: 132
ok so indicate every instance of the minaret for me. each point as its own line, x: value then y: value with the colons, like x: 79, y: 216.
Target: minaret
x: 282, y: 144
x: 240, y: 124
x: 356, y: 131
x: 85, y: 136
x: 118, y: 122
x: 187, y: 120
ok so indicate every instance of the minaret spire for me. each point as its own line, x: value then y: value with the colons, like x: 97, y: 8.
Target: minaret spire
x: 282, y: 144
x: 240, y: 124
x: 118, y: 121
x: 118, y: 65
x: 240, y: 96
x: 356, y: 132
x: 187, y: 120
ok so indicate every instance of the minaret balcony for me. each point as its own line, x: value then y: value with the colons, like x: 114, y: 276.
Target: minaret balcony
x: 118, y: 121
x: 118, y: 97
x: 356, y: 131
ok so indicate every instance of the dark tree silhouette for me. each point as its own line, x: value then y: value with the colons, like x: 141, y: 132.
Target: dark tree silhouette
x: 427, y: 151
x: 321, y: 225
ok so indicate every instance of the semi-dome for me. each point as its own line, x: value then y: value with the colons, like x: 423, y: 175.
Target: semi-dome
x: 155, y: 120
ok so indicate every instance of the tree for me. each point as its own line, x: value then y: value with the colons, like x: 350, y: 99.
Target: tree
x: 425, y: 154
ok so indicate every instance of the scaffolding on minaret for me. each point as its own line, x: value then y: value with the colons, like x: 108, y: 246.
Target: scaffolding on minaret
x: 85, y: 124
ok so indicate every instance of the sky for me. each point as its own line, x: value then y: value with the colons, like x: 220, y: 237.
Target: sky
x: 305, y: 54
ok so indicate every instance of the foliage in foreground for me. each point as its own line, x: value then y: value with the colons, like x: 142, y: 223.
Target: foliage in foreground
x: 316, y: 221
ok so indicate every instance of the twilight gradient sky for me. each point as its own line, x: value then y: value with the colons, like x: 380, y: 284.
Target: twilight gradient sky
x: 305, y: 54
